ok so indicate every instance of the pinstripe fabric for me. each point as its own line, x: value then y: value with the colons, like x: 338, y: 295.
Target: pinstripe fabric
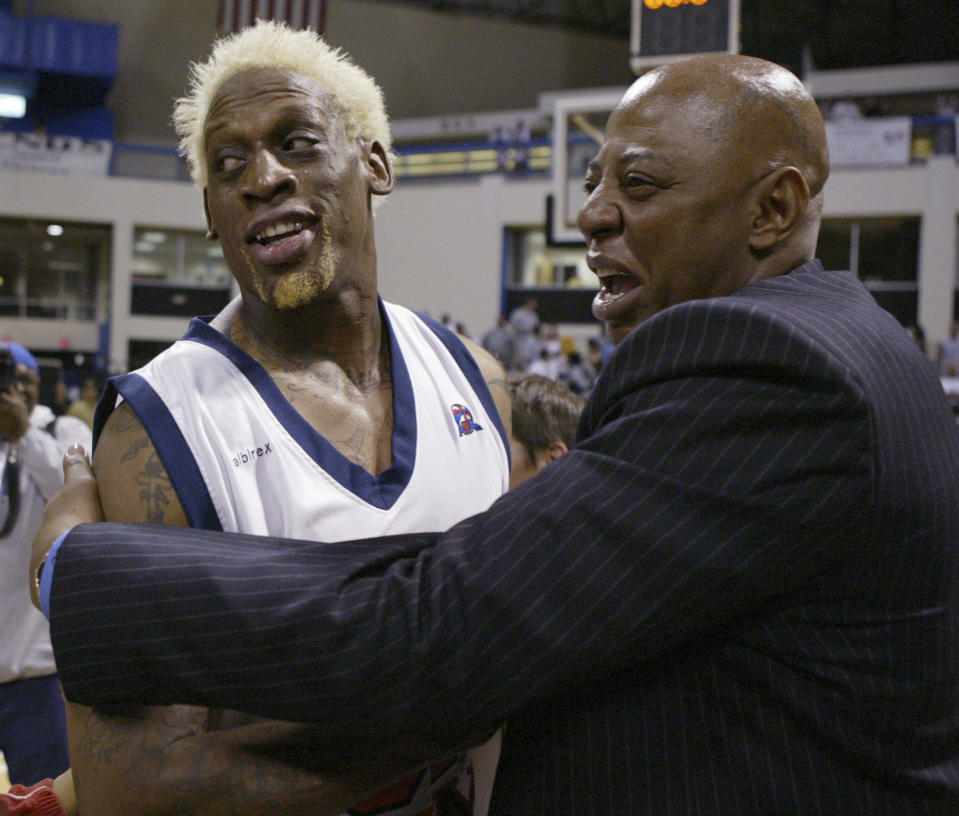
x: 736, y: 595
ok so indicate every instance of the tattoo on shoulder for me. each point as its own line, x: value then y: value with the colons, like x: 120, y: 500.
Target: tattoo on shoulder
x: 152, y: 480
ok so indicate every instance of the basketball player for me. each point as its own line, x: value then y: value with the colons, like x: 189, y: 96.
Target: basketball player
x: 309, y: 407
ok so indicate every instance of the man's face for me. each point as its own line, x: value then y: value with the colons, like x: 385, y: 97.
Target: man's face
x: 27, y: 382
x: 667, y: 212
x: 524, y: 466
x: 90, y: 392
x: 288, y: 191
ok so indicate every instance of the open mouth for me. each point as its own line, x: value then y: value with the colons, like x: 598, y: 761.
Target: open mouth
x: 619, y: 296
x: 277, y: 232
x: 283, y: 242
x: 614, y: 284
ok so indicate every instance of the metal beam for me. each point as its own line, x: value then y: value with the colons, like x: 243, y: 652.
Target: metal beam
x: 922, y: 77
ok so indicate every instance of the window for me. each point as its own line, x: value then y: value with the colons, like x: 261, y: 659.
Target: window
x: 177, y: 272
x: 51, y: 270
x: 557, y: 275
x: 883, y: 252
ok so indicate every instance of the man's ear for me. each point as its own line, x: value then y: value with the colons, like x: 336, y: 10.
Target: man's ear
x: 556, y: 449
x: 380, y: 169
x: 782, y: 198
x: 211, y: 233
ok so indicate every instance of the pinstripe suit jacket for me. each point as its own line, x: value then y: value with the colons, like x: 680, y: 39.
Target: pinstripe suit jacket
x: 737, y: 594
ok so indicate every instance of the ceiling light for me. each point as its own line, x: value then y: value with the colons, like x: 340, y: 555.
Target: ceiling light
x: 16, y: 88
x: 12, y: 105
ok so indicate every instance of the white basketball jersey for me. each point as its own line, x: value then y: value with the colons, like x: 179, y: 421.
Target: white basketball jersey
x: 243, y: 460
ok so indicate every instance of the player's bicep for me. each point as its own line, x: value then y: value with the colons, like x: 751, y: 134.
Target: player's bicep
x: 134, y: 485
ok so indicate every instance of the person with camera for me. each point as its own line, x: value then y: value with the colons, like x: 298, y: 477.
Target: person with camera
x: 33, y: 735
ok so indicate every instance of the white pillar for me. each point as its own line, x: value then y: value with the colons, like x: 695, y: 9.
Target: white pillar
x: 938, y: 249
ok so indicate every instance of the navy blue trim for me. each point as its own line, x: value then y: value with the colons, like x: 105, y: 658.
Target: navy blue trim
x: 380, y: 491
x: 169, y: 443
x: 105, y: 406
x: 472, y: 371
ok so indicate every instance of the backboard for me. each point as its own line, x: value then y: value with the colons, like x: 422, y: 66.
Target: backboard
x: 578, y: 124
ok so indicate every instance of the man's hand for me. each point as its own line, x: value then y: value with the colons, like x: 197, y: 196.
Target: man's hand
x: 77, y: 503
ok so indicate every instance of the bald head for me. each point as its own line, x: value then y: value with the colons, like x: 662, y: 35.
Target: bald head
x: 709, y: 178
x: 747, y: 106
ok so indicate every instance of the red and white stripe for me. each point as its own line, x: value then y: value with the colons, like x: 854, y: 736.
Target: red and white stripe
x: 232, y: 15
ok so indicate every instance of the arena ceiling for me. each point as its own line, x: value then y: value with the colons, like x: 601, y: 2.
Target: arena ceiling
x: 839, y: 33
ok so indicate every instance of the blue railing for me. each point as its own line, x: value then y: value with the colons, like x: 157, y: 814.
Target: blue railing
x: 434, y: 160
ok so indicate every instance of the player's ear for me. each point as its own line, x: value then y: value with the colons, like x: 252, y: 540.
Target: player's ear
x: 781, y: 200
x: 211, y: 233
x: 379, y: 168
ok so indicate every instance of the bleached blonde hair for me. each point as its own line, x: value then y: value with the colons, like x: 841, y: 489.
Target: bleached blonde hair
x: 275, y: 45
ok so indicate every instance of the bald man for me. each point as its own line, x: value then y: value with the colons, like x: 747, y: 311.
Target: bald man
x: 736, y: 594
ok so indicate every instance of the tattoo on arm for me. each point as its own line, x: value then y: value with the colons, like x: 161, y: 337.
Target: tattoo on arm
x: 153, y: 482
x: 262, y: 769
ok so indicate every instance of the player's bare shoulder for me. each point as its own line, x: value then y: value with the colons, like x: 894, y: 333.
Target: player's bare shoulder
x: 134, y: 485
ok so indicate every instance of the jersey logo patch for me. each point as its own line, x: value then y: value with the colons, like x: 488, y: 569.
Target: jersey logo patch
x: 463, y: 418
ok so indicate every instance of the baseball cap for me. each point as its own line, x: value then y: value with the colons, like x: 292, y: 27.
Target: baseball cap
x: 21, y: 355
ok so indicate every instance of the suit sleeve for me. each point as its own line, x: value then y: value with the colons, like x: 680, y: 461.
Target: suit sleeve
x: 698, y: 493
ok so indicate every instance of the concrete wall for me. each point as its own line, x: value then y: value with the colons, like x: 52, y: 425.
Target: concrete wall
x: 440, y: 246
x: 429, y: 63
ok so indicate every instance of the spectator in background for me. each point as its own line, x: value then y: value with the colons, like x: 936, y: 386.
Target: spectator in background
x: 599, y: 350
x: 545, y: 416
x: 33, y: 735
x: 916, y: 333
x: 949, y: 354
x: 525, y: 321
x: 500, y: 342
x: 549, y: 336
x: 528, y: 348
x: 548, y: 364
x: 61, y: 401
x: 524, y: 318
x: 845, y: 110
x: 580, y: 373
x: 84, y: 407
